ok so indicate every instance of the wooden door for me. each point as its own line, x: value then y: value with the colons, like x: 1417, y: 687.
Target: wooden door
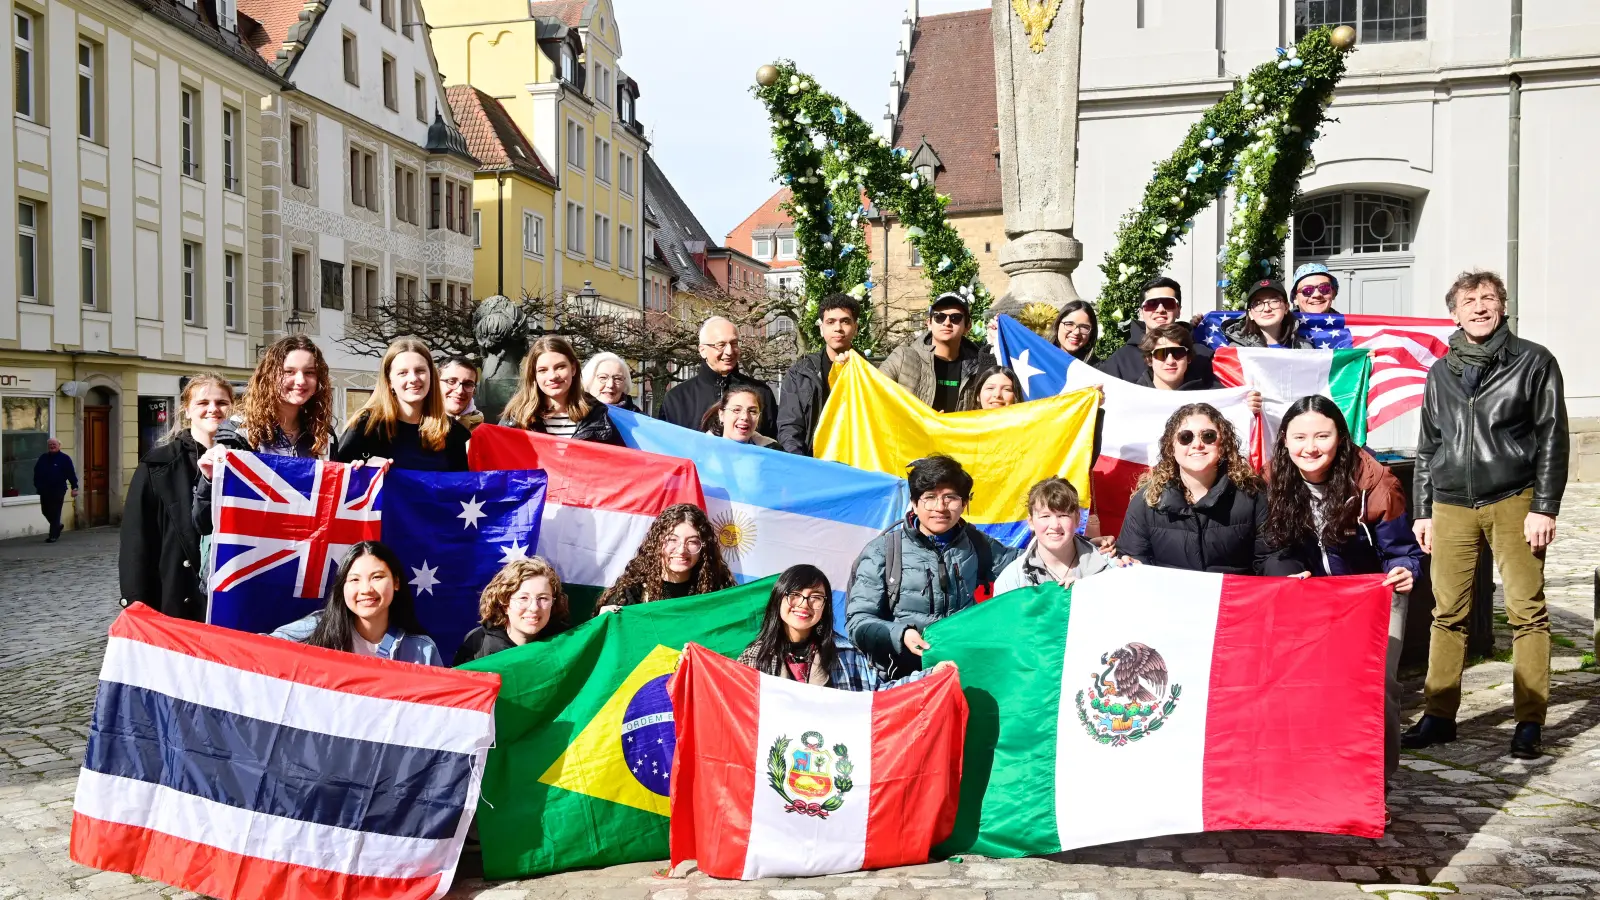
x: 97, y: 464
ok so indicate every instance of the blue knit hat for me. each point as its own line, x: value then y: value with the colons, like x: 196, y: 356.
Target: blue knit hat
x: 1309, y: 269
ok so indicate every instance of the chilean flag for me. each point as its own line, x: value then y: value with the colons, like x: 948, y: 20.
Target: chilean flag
x: 774, y: 778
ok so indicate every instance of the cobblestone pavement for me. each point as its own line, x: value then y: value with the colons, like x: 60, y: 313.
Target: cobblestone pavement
x: 1468, y: 820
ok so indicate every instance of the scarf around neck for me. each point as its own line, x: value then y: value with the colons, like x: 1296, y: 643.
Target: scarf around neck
x: 1465, y: 354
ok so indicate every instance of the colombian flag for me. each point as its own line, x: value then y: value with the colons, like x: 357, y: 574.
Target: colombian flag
x: 875, y: 424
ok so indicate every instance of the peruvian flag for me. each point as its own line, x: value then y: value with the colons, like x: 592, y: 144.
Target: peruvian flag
x: 774, y: 778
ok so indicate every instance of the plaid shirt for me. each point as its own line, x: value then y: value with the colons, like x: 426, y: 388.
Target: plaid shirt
x: 852, y: 670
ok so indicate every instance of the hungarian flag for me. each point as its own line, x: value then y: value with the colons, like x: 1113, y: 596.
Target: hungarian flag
x: 774, y: 778
x: 1284, y: 376
x: 579, y: 773
x: 1151, y: 701
x: 599, y: 503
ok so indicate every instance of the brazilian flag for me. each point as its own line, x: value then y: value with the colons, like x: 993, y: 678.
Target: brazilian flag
x: 584, y: 733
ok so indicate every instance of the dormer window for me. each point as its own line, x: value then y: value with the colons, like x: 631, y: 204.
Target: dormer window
x: 925, y: 172
x: 627, y: 108
x: 569, y: 68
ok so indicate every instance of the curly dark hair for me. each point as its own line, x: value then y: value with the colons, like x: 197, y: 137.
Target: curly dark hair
x: 641, y: 580
x: 259, y: 410
x: 1233, y: 464
x: 1290, y: 507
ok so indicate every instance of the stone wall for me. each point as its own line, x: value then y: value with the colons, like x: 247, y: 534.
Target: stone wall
x: 1584, y: 463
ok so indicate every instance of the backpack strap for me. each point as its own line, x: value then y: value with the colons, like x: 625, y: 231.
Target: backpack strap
x: 891, y: 566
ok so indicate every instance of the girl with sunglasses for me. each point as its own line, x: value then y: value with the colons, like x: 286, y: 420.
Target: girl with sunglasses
x: 1314, y: 290
x: 1201, y: 507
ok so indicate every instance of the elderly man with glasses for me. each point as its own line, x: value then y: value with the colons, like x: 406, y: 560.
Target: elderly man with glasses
x: 933, y: 365
x: 687, y: 403
x: 1163, y: 299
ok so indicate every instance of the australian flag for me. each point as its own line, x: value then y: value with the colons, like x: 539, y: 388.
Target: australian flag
x: 281, y: 526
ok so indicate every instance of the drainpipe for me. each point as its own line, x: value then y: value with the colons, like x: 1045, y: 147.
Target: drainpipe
x: 500, y: 215
x: 1514, y: 175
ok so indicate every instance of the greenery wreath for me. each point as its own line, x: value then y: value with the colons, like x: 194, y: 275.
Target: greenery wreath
x: 834, y: 165
x: 1258, y: 139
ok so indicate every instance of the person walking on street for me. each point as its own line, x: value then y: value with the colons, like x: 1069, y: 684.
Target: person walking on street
x: 52, y: 472
x: 1491, y: 467
x: 687, y: 402
x: 458, y: 376
x: 1163, y: 297
x: 551, y: 400
x: 805, y: 386
x: 934, y: 364
x: 1314, y: 289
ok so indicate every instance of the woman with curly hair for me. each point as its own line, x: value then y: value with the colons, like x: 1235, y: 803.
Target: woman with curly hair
x: 1201, y: 507
x: 679, y: 557
x: 523, y: 602
x: 369, y: 611
x: 404, y: 422
x: 550, y: 399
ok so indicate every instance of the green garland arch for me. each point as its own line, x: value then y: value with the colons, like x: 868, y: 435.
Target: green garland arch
x: 830, y: 159
x: 1258, y: 138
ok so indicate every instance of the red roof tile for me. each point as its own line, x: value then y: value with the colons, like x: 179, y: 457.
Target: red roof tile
x: 491, y: 134
x: 569, y: 12
x: 949, y: 98
x: 275, y: 18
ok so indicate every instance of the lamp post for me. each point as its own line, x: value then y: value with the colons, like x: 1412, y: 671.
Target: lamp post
x: 294, y: 324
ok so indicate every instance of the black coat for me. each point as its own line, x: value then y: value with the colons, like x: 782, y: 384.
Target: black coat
x: 1220, y: 533
x: 159, y: 563
x: 596, y: 427
x: 1128, y: 364
x: 804, y: 393
x: 405, y: 449
x: 687, y: 403
x: 485, y: 641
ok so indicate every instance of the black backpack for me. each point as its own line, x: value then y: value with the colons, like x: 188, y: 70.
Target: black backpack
x: 892, y: 570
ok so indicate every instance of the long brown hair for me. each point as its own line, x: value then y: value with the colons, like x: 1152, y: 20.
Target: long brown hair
x: 382, y: 409
x: 1233, y: 465
x: 1290, y: 505
x: 259, y: 411
x: 180, y: 422
x: 644, y: 570
x: 527, y: 405
x: 496, y: 597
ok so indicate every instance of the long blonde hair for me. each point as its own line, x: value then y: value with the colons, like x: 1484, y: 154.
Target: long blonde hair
x: 1231, y: 463
x: 259, y: 411
x: 180, y: 423
x: 527, y: 405
x: 382, y: 409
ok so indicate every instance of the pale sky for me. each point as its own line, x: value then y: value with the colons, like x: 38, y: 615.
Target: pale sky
x: 695, y: 61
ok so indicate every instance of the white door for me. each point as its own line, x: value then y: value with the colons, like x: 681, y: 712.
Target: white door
x: 1382, y: 292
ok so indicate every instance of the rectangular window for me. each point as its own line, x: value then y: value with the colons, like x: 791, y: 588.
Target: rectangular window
x: 532, y: 234
x: 300, y: 279
x: 450, y: 205
x: 24, y: 432
x: 189, y: 131
x: 369, y: 165
x: 627, y: 108
x: 420, y: 87
x: 230, y: 148
x: 567, y: 68
x: 411, y: 197
x: 435, y: 200
x: 230, y: 291
x: 406, y: 19
x: 477, y: 229
x: 391, y: 86
x: 88, y: 90
x: 602, y: 238
x: 575, y: 227
x: 22, y: 56
x: 386, y: 13
x: 786, y: 247
x: 190, y: 284
x: 333, y: 284
x: 358, y: 195
x: 1375, y: 21
x: 435, y: 292
x: 602, y: 160
x: 916, y: 257
x: 625, y: 248
x: 575, y: 144
x: 462, y: 195
x: 299, y: 155
x: 761, y: 248
x: 89, y: 262
x: 363, y: 179
x: 625, y: 175
x: 352, y: 73
x: 28, y: 251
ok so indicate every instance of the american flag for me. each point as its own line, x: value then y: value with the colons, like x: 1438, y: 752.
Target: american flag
x: 1403, y: 349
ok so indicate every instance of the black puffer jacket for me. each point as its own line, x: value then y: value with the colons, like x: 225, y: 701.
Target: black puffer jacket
x: 1220, y: 533
x: 1509, y: 436
x: 687, y: 403
x: 804, y: 392
x: 1128, y: 364
x: 159, y: 564
x: 596, y: 427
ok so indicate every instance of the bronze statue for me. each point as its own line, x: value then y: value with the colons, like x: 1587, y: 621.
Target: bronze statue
x: 501, y: 329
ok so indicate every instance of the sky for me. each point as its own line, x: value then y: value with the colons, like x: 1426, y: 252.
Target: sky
x: 695, y: 61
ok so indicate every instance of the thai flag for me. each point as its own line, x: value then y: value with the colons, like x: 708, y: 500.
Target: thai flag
x: 243, y: 766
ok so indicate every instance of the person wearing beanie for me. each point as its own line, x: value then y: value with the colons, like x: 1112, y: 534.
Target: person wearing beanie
x: 1314, y: 289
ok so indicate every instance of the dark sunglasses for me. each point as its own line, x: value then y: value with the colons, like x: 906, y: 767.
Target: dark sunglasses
x: 954, y: 318
x: 1166, y: 353
x: 1155, y: 303
x: 1208, y: 436
x: 1311, y: 290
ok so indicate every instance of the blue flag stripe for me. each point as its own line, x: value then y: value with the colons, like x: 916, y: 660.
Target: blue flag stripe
x: 276, y: 769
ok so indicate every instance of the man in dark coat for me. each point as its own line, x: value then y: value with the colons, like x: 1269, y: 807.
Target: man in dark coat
x: 51, y: 475
x: 805, y: 385
x: 1163, y: 298
x: 687, y: 403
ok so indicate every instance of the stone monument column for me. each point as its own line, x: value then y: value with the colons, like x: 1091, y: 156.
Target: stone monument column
x: 1037, y: 44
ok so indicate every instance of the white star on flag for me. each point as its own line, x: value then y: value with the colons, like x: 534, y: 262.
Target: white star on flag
x: 471, y: 512
x: 514, y: 552
x: 1025, y: 370
x: 425, y: 578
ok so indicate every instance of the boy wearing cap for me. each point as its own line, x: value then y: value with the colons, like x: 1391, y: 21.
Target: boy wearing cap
x: 1314, y: 289
x: 1267, y: 321
x: 934, y: 364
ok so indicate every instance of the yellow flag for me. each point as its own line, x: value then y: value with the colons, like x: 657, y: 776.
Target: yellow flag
x: 872, y: 423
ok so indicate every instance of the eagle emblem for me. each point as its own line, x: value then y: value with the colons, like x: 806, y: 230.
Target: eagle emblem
x: 1037, y: 17
x: 818, y: 778
x: 1130, y: 698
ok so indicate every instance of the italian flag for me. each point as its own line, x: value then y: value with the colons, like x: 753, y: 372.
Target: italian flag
x: 1284, y: 377
x: 599, y: 504
x: 1150, y: 701
x: 774, y: 778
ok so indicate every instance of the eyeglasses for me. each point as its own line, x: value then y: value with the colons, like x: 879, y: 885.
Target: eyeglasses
x: 947, y: 499
x: 1170, y: 304
x: 1076, y: 329
x: 1165, y: 353
x: 526, y: 602
x: 693, y: 545
x: 1268, y: 303
x: 798, y: 598
x: 721, y: 347
x: 1485, y: 302
x: 609, y: 379
x: 466, y: 384
x: 1208, y: 436
x: 954, y: 318
x: 1312, y: 290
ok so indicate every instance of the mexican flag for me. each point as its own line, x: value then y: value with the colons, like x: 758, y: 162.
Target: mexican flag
x: 599, y: 504
x: 1283, y: 377
x: 584, y: 735
x: 1150, y: 701
x: 774, y: 778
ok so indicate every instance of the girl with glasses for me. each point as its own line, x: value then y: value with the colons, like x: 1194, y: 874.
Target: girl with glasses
x: 1268, y: 321
x: 679, y: 557
x: 1076, y: 330
x: 524, y: 602
x: 737, y: 416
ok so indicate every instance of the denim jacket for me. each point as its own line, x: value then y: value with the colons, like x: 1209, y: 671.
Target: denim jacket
x: 396, y: 645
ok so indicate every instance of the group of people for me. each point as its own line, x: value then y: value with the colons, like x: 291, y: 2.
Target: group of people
x: 1491, y: 465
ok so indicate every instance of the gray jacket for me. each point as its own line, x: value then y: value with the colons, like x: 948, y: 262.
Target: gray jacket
x: 911, y: 365
x: 1027, y: 571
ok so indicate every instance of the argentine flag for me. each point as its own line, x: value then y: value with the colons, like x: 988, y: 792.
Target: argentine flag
x: 772, y: 510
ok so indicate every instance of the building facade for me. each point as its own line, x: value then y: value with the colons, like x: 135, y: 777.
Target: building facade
x: 767, y: 234
x: 554, y: 68
x: 135, y: 201
x: 366, y: 182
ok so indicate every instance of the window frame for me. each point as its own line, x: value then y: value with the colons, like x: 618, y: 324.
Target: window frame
x: 602, y: 160
x: 231, y: 119
x: 532, y: 238
x: 351, y: 59
x: 88, y: 91
x: 25, y: 95
x: 386, y: 14
x: 778, y: 246
x: 190, y: 274
x: 477, y: 229
x: 419, y: 87
x: 189, y: 149
x: 602, y: 238
x: 230, y: 290
x: 90, y: 268
x: 756, y: 248
x: 391, y: 82
x: 625, y: 163
x: 576, y: 222
x: 1368, y: 30
x: 299, y: 154
x: 23, y: 464
x: 625, y: 261
x: 577, y: 144
x: 435, y: 202
x: 299, y: 279
x: 30, y: 234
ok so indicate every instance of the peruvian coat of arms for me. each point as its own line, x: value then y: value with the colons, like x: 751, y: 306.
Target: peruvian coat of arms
x: 1130, y: 698
x: 811, y: 779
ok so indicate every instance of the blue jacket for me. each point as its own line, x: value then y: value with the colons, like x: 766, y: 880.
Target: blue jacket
x: 53, y: 472
x: 1383, y: 539
x: 396, y: 645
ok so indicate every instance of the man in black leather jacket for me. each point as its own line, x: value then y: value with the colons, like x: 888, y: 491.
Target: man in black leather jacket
x: 1491, y: 465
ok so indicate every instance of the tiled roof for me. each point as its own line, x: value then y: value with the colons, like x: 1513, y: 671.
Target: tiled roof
x: 766, y: 219
x: 200, y: 22
x: 678, y: 227
x: 275, y: 18
x: 569, y: 12
x: 949, y: 98
x: 492, y: 136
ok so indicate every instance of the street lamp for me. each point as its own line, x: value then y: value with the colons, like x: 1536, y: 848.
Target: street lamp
x: 588, y: 296
x: 294, y: 324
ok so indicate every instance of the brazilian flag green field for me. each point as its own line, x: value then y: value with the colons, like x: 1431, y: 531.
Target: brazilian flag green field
x: 584, y: 733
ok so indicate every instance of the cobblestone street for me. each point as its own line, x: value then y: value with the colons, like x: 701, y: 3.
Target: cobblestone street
x: 1469, y: 821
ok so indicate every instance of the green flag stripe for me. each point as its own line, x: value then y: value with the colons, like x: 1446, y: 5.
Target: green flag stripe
x: 1349, y: 377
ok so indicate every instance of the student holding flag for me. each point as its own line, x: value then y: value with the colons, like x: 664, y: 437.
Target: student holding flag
x: 404, y: 423
x: 737, y: 416
x: 524, y: 602
x: 933, y: 365
x: 550, y: 399
x: 369, y: 611
x: 805, y: 386
x: 679, y: 557
x: 1168, y: 350
x: 1163, y: 298
x: 993, y: 388
x: 1314, y: 290
x: 1267, y: 321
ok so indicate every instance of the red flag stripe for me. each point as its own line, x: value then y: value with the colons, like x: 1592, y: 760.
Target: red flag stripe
x: 1386, y: 414
x: 907, y: 812
x: 589, y: 475
x: 711, y: 780
x: 1114, y: 481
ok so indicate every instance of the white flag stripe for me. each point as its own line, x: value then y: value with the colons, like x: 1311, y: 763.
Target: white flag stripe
x: 758, y: 542
x: 296, y: 705
x: 784, y: 844
x: 1135, y: 417
x: 1143, y: 788
x: 140, y: 804
x: 588, y: 545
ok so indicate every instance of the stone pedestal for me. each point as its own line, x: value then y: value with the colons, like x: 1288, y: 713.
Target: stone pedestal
x: 1037, y: 94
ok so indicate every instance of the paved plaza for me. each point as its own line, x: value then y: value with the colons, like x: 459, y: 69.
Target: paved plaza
x: 1469, y: 821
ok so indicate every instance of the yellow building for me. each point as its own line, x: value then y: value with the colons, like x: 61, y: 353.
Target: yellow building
x: 135, y: 201
x: 513, y: 200
x: 553, y: 68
